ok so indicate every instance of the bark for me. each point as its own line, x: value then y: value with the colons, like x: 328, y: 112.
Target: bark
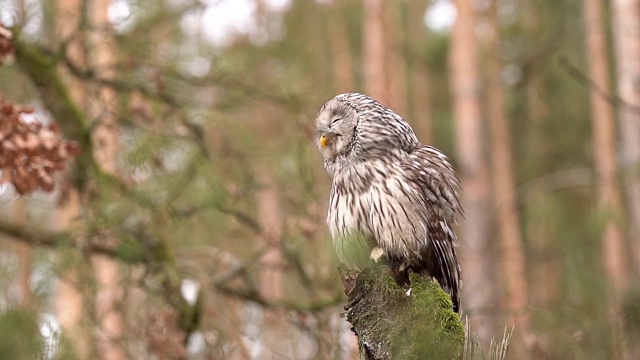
x: 376, y: 84
x: 68, y: 300
x: 24, y: 272
x: 604, y: 145
x: 105, y: 133
x: 513, y: 266
x: 340, y: 50
x: 626, y: 36
x: 23, y: 251
x: 271, y: 221
x: 105, y: 139
x: 108, y: 296
x: 420, y: 110
x: 395, y: 63
x: 384, y: 317
x: 475, y: 255
x: 544, y: 260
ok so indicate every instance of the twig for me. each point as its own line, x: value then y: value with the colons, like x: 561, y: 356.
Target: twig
x: 118, y: 85
x: 38, y: 237
x: 583, y: 79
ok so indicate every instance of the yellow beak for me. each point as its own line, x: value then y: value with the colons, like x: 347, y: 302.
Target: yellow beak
x: 323, y: 141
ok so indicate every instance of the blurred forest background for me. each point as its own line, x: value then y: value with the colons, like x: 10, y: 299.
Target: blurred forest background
x: 190, y: 221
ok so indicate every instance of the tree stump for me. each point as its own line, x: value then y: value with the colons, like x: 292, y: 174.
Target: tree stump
x: 393, y: 322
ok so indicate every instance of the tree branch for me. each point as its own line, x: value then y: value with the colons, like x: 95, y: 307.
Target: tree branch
x: 583, y: 79
x: 38, y: 237
x: 40, y: 67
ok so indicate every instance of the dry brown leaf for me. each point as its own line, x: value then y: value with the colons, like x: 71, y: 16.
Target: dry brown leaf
x: 30, y: 153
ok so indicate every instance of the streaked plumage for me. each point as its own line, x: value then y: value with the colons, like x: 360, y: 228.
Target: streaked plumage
x: 389, y: 191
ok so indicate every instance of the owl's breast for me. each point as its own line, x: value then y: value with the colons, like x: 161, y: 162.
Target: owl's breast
x: 348, y: 222
x: 346, y: 214
x: 374, y: 203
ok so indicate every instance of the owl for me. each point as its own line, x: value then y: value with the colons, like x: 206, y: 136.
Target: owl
x: 392, y: 197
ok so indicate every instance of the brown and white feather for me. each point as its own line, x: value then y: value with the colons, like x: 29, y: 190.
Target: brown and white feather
x: 389, y: 191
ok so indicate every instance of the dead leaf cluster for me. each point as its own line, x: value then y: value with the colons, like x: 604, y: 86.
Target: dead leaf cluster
x: 30, y: 152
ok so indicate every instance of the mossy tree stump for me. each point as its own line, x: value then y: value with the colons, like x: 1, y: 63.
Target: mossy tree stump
x: 392, y: 322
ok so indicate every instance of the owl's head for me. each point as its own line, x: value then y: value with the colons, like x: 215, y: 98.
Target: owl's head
x: 359, y: 127
x: 336, y: 126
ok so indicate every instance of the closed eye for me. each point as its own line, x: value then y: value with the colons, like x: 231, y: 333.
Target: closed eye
x: 334, y: 121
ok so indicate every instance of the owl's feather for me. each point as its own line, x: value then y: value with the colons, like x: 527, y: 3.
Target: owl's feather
x: 389, y: 191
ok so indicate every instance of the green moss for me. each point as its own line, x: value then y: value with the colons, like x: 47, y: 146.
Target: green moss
x: 395, y: 325
x: 428, y: 327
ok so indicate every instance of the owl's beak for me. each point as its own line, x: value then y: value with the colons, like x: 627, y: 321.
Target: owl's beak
x: 325, y: 138
x: 323, y: 141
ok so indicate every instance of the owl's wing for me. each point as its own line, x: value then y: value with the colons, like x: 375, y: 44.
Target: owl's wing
x: 431, y: 175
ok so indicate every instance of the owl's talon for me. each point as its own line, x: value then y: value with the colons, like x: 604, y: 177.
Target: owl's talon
x: 408, y: 292
x: 376, y: 254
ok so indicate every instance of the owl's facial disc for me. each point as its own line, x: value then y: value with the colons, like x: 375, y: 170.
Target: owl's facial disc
x: 334, y: 128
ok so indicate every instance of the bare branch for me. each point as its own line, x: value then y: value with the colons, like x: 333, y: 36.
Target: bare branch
x: 39, y: 237
x: 583, y: 79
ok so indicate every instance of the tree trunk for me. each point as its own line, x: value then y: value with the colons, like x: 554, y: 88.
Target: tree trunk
x: 544, y: 261
x: 626, y: 37
x: 376, y: 84
x: 105, y: 139
x: 271, y: 221
x: 604, y: 145
x: 270, y: 217
x: 272, y: 273
x: 513, y: 267
x: 23, y: 251
x: 475, y: 255
x: 340, y: 50
x: 420, y: 110
x: 395, y: 63
x: 68, y: 300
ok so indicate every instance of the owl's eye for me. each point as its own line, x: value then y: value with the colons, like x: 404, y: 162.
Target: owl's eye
x: 335, y: 121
